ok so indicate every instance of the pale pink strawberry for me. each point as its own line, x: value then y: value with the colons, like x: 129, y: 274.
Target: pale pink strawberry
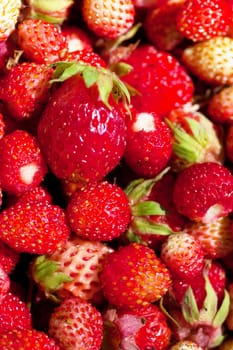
x: 9, y: 13
x: 220, y: 106
x: 76, y: 38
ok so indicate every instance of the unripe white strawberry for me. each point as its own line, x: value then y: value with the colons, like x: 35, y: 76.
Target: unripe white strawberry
x: 9, y: 13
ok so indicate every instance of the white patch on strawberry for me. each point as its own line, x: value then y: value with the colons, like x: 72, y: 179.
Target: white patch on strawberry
x: 213, y: 213
x: 27, y: 173
x: 145, y: 122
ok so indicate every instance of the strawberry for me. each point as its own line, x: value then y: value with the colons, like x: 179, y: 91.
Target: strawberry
x: 215, y: 237
x: 198, y: 20
x: 41, y: 42
x: 29, y: 82
x: 8, y: 258
x: 76, y: 324
x: 204, y: 191
x: 14, y: 313
x: 183, y: 255
x: 210, y: 60
x: 107, y: 20
x: 77, y: 39
x: 72, y: 270
x: 2, y: 126
x: 220, y: 106
x: 4, y: 283
x: 22, y: 164
x: 86, y: 56
x: 34, y: 227
x: 195, y: 138
x: 160, y: 80
x: 99, y: 212
x: 149, y: 144
x: 146, y: 283
x: 83, y: 138
x: 143, y: 328
x: 26, y: 339
x: 9, y: 13
x: 185, y: 345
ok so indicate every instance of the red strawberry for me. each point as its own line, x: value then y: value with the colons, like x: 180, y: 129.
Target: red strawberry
x: 99, y: 212
x: 14, y: 314
x: 8, y: 257
x: 143, y: 328
x: 4, y: 283
x: 198, y: 20
x: 136, y: 272
x: 204, y: 192
x: 76, y: 324
x: 72, y: 270
x: 28, y: 82
x: 42, y: 42
x: 34, y: 227
x: 2, y: 126
x: 210, y: 60
x: 162, y: 83
x: 77, y: 39
x: 215, y: 237
x: 82, y: 137
x: 86, y: 56
x: 22, y: 164
x: 106, y: 19
x: 149, y: 144
x: 26, y: 339
x: 9, y: 13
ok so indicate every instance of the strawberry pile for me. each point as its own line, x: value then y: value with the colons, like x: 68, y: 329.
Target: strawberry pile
x: 116, y: 175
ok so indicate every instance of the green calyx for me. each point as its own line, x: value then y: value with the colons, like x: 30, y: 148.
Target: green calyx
x: 46, y: 274
x: 50, y: 11
x: 107, y: 82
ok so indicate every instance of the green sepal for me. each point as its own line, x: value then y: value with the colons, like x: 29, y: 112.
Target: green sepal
x: 169, y: 316
x: 133, y: 237
x: 45, y: 273
x: 223, y: 311
x: 217, y: 341
x: 106, y: 81
x: 189, y: 307
x: 147, y: 208
x: 145, y: 226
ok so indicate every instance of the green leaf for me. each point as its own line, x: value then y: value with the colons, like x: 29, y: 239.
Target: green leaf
x: 145, y: 226
x: 189, y: 307
x: 223, y: 311
x: 147, y: 208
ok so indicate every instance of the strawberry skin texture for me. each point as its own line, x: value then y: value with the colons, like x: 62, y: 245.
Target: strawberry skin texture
x: 220, y: 106
x: 76, y: 324
x: 81, y: 138
x: 107, y: 20
x: 36, y: 228
x: 204, y: 192
x: 126, y: 286
x: 162, y: 83
x: 99, y: 212
x: 8, y: 258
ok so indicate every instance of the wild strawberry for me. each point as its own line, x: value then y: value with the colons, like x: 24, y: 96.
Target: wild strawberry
x: 8, y: 258
x: 77, y: 39
x: 220, y: 106
x: 41, y: 42
x: 99, y: 212
x: 34, y: 227
x: 28, y: 82
x: 195, y: 138
x: 198, y: 20
x: 76, y: 323
x: 9, y: 13
x: 14, y: 313
x: 107, y: 20
x: 142, y: 327
x: 204, y: 191
x: 81, y: 137
x: 160, y: 80
x: 149, y: 144
x: 185, y: 345
x: 72, y: 270
x: 26, y: 339
x: 160, y: 26
x: 210, y: 60
x: 215, y: 237
x: 86, y: 56
x: 136, y: 272
x: 22, y: 164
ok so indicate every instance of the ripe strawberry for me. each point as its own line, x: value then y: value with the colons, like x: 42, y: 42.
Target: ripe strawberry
x: 99, y: 212
x: 34, y: 227
x: 210, y: 60
x: 2, y: 126
x: 220, y: 106
x: 9, y: 13
x: 86, y: 56
x: 8, y: 258
x: 41, y: 42
x: 198, y: 20
x: 22, y: 164
x: 195, y: 138
x: 144, y: 327
x: 107, y: 20
x: 215, y: 237
x: 77, y: 39
x: 185, y: 345
x: 76, y: 324
x: 204, y: 191
x: 28, y: 82
x: 136, y: 272
x: 26, y: 339
x: 162, y: 83
x: 72, y: 270
x: 149, y: 144
x: 82, y: 137
x: 14, y: 313
x: 4, y: 283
